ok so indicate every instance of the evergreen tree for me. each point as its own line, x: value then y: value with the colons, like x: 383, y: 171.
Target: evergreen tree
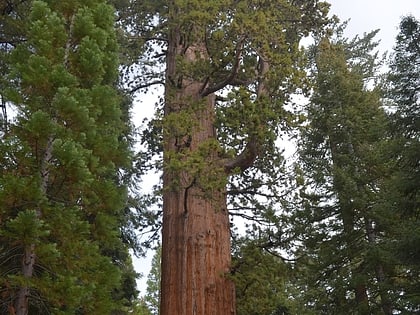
x: 140, y: 308
x: 152, y: 297
x: 61, y: 187
x: 401, y: 196
x: 261, y: 279
x: 339, y: 226
x: 12, y: 20
x: 228, y: 68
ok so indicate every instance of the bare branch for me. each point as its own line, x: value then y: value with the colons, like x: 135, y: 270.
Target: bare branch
x: 146, y: 85
x: 241, y: 82
x: 220, y: 98
x: 254, y: 192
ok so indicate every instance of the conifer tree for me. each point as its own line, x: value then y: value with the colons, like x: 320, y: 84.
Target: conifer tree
x: 339, y: 224
x: 61, y: 190
x: 401, y: 195
x: 152, y: 298
x: 261, y: 278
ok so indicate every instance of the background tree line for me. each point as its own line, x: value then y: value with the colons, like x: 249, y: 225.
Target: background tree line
x: 335, y: 232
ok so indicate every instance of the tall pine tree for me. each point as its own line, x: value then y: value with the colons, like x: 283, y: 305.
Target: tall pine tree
x: 402, y: 194
x: 61, y: 189
x: 338, y: 227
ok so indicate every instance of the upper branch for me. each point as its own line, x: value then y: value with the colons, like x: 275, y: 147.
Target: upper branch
x: 232, y: 74
x: 146, y: 85
x: 251, y: 151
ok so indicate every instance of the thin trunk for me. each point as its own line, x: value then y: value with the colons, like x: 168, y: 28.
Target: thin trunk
x: 28, y: 262
x: 357, y: 277
x: 386, y: 303
x: 29, y: 254
x: 347, y: 213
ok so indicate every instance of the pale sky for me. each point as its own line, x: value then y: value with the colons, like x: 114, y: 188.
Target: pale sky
x: 365, y: 16
x: 369, y: 15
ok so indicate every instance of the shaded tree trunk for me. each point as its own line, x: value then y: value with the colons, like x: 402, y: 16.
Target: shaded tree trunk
x: 386, y: 303
x: 22, y: 298
x: 29, y: 255
x: 347, y: 213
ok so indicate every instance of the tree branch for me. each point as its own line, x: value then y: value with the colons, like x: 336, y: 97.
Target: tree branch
x: 232, y: 74
x: 245, y: 159
x: 146, y: 85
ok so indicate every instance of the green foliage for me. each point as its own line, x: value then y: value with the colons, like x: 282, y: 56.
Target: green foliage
x: 342, y: 165
x: 25, y: 229
x: 404, y: 77
x: 237, y: 36
x: 152, y: 297
x: 61, y: 195
x: 140, y: 308
x: 261, y: 280
x: 401, y: 194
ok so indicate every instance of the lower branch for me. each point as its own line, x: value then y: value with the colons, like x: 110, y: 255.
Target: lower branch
x: 245, y: 159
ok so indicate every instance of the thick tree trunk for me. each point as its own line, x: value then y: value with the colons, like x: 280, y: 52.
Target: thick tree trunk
x: 196, y: 253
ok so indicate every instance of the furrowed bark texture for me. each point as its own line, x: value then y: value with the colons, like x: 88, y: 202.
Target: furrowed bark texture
x: 196, y: 253
x: 195, y: 256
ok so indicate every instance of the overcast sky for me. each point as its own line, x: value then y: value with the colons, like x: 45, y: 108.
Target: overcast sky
x: 365, y: 16
x: 369, y: 15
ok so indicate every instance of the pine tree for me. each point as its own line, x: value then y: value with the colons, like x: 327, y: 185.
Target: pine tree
x: 61, y: 193
x: 261, y: 278
x: 401, y: 195
x: 228, y: 68
x: 339, y: 223
x: 12, y: 17
x: 152, y: 297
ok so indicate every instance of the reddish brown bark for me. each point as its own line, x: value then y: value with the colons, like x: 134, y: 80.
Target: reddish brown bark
x: 196, y: 234
x: 196, y: 254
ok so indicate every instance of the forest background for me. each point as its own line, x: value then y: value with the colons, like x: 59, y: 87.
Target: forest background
x: 331, y: 228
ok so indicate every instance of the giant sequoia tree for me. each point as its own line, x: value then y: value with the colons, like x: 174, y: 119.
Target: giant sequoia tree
x: 61, y: 193
x: 230, y: 67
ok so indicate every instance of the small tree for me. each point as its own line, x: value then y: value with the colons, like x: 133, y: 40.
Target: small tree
x: 152, y: 297
x: 261, y: 278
